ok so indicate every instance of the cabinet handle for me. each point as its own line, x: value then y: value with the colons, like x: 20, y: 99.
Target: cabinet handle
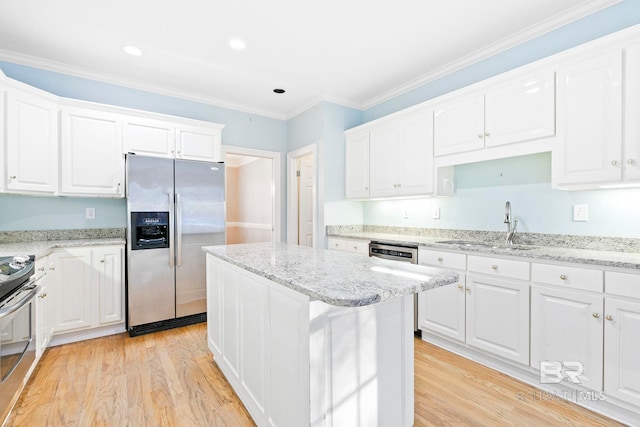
x: 468, y: 289
x: 494, y: 267
x: 609, y: 317
x: 596, y: 315
x: 459, y: 286
x: 614, y: 162
x: 101, y: 260
x: 480, y: 135
x: 487, y: 134
x: 563, y: 277
x: 52, y: 268
x: 41, y: 269
x: 44, y: 295
x: 440, y: 259
x: 399, y: 185
x: 12, y: 177
x: 630, y: 161
x: 366, y: 188
x: 355, y: 248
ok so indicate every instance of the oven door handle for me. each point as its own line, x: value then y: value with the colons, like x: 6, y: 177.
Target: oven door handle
x: 26, y: 300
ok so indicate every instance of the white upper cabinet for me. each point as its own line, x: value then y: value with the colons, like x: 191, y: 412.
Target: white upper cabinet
x: 91, y: 161
x: 517, y: 109
x: 3, y: 161
x: 173, y: 139
x: 383, y: 152
x: 459, y: 125
x: 357, y: 165
x: 31, y: 143
x: 631, y: 160
x: 589, y: 116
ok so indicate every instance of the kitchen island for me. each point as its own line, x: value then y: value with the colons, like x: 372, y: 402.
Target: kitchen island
x: 313, y: 337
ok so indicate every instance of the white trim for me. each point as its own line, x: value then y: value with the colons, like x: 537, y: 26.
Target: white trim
x: 292, y: 195
x: 255, y: 225
x: 530, y: 33
x: 276, y: 187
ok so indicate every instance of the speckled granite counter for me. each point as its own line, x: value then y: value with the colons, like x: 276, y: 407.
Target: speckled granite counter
x: 614, y: 259
x: 337, y: 278
x: 44, y: 248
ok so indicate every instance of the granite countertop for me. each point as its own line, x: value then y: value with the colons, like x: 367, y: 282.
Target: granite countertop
x: 44, y: 248
x: 616, y: 259
x: 337, y: 278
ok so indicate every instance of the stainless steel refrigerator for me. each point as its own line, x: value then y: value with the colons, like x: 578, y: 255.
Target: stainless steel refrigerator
x: 174, y: 207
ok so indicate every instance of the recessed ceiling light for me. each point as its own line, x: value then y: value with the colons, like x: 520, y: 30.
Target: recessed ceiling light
x: 237, y: 44
x: 132, y: 50
x: 279, y: 90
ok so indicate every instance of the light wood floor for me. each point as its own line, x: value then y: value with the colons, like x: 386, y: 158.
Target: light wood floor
x: 169, y: 379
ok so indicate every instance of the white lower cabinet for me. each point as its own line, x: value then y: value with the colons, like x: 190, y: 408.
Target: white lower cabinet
x: 497, y: 318
x: 89, y: 287
x: 348, y: 245
x: 44, y: 304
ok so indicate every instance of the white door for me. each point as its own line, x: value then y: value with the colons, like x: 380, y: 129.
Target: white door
x: 149, y: 137
x: 521, y: 110
x: 459, y: 125
x: 73, y: 289
x: 357, y: 165
x: 415, y: 153
x: 32, y: 143
x: 621, y: 350
x: 589, y: 118
x: 91, y: 157
x: 193, y: 143
x: 383, y: 159
x: 632, y: 115
x: 498, y: 317
x: 110, y: 284
x: 566, y: 327
x: 442, y: 310
x: 305, y: 201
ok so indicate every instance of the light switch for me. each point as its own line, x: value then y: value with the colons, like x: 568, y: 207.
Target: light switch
x: 90, y: 213
x: 580, y: 212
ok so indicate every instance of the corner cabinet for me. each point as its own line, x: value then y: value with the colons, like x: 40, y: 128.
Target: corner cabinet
x: 161, y: 138
x: 31, y: 143
x: 91, y: 161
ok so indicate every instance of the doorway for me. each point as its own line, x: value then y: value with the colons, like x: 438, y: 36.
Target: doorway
x: 252, y: 195
x: 302, y: 196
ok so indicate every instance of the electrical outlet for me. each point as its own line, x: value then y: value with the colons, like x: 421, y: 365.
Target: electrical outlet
x: 436, y: 212
x: 90, y: 213
x: 405, y: 214
x: 580, y: 212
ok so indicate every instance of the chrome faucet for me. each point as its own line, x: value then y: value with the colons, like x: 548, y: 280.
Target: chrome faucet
x: 511, y: 230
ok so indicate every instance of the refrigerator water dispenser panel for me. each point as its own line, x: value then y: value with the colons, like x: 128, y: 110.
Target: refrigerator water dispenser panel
x: 149, y: 230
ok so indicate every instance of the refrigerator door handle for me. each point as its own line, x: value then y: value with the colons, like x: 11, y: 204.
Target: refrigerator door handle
x: 171, y: 225
x: 179, y: 230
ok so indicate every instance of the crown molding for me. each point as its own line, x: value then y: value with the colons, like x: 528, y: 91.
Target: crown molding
x: 45, y: 64
x: 312, y: 102
x: 505, y: 44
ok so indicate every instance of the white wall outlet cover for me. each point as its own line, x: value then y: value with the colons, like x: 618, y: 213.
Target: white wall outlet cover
x: 580, y: 212
x: 90, y: 213
x: 405, y: 214
x: 436, y: 212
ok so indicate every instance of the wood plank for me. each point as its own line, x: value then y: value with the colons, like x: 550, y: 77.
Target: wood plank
x: 170, y: 379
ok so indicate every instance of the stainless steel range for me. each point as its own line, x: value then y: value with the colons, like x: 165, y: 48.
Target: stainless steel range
x: 17, y: 327
x: 403, y: 253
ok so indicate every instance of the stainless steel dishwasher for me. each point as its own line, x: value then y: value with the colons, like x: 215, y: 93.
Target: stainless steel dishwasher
x: 402, y: 253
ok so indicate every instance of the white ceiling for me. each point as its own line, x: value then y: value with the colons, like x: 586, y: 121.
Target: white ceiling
x: 353, y: 52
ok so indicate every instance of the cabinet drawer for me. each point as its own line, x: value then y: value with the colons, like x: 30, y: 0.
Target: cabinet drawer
x: 357, y: 246
x: 442, y: 259
x: 499, y: 267
x: 571, y: 277
x: 623, y: 284
x: 337, y: 244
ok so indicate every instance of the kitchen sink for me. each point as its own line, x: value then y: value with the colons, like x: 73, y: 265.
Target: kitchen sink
x: 472, y: 244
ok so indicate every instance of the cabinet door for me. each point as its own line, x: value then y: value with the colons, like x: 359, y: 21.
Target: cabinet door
x: 73, y: 289
x: 195, y: 143
x: 32, y: 143
x: 110, y: 284
x: 521, y: 110
x: 92, y: 162
x: 149, y: 137
x: 589, y: 114
x: 632, y: 115
x: 459, y: 125
x: 498, y: 317
x: 566, y: 326
x: 357, y: 165
x: 442, y: 310
x: 214, y: 306
x: 42, y: 306
x: 621, y: 349
x: 383, y: 151
x: 415, y: 153
x: 3, y: 160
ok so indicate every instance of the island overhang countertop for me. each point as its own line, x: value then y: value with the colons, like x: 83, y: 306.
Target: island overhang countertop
x: 336, y: 278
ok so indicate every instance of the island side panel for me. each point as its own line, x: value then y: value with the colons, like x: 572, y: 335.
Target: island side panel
x: 258, y: 332
x: 362, y: 364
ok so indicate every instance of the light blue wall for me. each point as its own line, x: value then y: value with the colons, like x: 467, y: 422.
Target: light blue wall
x: 484, y: 187
x: 241, y: 129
